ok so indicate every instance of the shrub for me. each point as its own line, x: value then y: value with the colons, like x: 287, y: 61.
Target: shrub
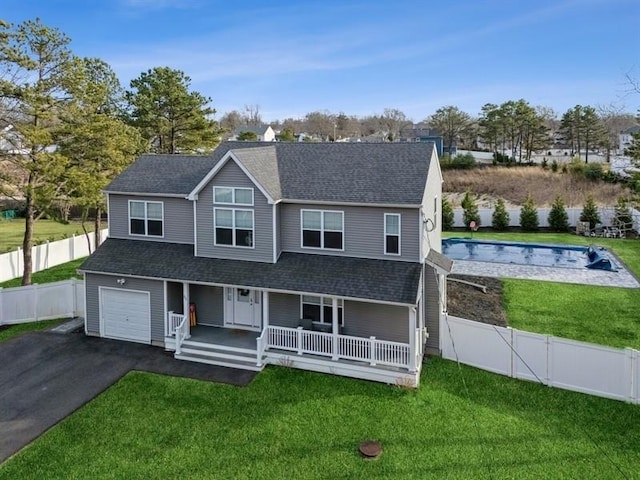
x: 459, y: 162
x: 554, y: 166
x: 447, y: 215
x: 590, y: 212
x: 502, y: 158
x: 500, y: 217
x: 593, y: 171
x: 463, y: 162
x: 470, y: 210
x: 558, y: 218
x: 544, y: 164
x: 576, y: 166
x: 622, y: 218
x: 565, y: 169
x: 529, y: 215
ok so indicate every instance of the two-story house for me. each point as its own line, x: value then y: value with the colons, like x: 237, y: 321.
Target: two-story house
x: 318, y: 256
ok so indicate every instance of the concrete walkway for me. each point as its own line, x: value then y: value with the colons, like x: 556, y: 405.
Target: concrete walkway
x: 45, y: 376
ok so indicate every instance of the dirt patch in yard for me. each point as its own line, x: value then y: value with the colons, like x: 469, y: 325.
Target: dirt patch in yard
x: 467, y: 301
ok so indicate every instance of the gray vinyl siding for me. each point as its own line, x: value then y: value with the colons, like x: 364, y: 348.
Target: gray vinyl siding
x: 385, y: 322
x: 361, y: 319
x: 178, y: 218
x: 284, y: 310
x: 230, y: 175
x: 363, y: 235
x: 156, y: 298
x: 174, y: 297
x: 432, y: 309
x: 209, y: 304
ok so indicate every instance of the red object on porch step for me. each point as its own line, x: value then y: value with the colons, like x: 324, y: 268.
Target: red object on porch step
x: 192, y: 314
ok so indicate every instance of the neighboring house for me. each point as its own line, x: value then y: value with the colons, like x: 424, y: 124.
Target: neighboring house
x: 422, y: 133
x: 319, y: 256
x: 264, y: 133
x: 625, y: 138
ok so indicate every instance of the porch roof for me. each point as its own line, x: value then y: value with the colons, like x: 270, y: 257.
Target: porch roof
x: 367, y: 279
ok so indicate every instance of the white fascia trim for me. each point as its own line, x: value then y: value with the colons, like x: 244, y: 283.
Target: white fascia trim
x: 195, y: 227
x: 350, y: 204
x: 251, y: 287
x: 139, y: 194
x: 212, y: 173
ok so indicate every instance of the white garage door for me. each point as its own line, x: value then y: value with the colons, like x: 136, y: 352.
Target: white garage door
x: 126, y: 315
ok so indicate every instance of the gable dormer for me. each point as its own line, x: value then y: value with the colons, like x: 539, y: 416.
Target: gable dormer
x: 234, y: 207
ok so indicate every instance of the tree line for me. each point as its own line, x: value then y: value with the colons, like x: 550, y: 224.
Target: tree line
x: 69, y: 127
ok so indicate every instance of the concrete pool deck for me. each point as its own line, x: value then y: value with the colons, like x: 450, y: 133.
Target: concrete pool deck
x: 622, y: 278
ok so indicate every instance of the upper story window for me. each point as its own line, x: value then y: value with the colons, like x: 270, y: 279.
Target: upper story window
x: 392, y: 233
x: 322, y: 229
x: 146, y: 218
x: 233, y: 227
x: 233, y: 196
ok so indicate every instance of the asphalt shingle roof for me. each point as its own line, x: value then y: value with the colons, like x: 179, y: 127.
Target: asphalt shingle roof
x: 384, y: 173
x: 381, y: 280
x: 163, y: 174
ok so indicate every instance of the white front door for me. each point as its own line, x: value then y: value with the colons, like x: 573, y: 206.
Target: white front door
x: 242, y: 308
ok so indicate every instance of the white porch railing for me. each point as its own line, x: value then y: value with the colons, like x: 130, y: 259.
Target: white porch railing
x: 181, y: 333
x: 173, y: 320
x: 370, y: 350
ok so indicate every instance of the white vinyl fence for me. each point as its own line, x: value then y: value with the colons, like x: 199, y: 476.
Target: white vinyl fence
x: 556, y: 362
x: 47, y: 255
x: 606, y: 216
x: 42, y: 302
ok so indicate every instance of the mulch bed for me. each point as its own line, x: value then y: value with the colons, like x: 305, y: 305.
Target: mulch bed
x: 467, y: 301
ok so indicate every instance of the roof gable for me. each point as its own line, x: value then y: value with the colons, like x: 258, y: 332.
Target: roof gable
x: 365, y: 173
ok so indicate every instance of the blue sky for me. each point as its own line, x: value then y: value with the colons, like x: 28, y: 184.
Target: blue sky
x: 359, y: 57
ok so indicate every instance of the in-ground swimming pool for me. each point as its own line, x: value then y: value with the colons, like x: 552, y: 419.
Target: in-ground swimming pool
x: 539, y: 254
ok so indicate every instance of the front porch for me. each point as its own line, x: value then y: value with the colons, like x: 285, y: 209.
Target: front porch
x: 359, y: 357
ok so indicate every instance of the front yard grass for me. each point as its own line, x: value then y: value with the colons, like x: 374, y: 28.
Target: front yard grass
x: 295, y: 424
x: 12, y: 232
x: 63, y: 271
x: 602, y: 315
x: 9, y: 331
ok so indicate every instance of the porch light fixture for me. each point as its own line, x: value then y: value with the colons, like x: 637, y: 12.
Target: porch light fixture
x: 121, y: 281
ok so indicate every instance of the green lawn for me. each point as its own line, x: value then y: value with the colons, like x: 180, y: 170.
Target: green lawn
x: 603, y: 315
x: 12, y: 232
x: 53, y: 274
x: 302, y: 425
x: 11, y: 331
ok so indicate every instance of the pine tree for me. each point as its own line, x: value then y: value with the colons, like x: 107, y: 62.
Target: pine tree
x: 558, y: 218
x: 500, y: 217
x: 470, y: 208
x: 529, y: 215
x: 623, y: 218
x: 590, y: 212
x: 447, y: 215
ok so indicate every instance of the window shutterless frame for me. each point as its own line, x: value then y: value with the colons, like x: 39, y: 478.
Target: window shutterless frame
x: 392, y: 233
x: 318, y: 229
x: 233, y: 227
x: 233, y: 196
x: 320, y: 309
x: 146, y: 218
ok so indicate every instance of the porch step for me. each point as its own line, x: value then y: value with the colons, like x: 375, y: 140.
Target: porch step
x: 219, y: 355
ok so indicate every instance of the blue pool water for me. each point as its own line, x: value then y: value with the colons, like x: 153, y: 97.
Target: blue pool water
x: 539, y: 254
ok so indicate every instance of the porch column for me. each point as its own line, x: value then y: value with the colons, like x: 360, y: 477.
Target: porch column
x: 412, y: 339
x: 185, y: 306
x: 265, y: 309
x: 334, y: 329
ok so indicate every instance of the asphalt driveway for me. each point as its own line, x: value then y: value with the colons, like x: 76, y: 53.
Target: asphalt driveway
x: 45, y: 376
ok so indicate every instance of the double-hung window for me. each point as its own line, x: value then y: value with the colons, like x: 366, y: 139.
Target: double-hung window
x: 320, y: 309
x: 233, y: 226
x: 322, y: 229
x: 146, y: 218
x: 392, y: 233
